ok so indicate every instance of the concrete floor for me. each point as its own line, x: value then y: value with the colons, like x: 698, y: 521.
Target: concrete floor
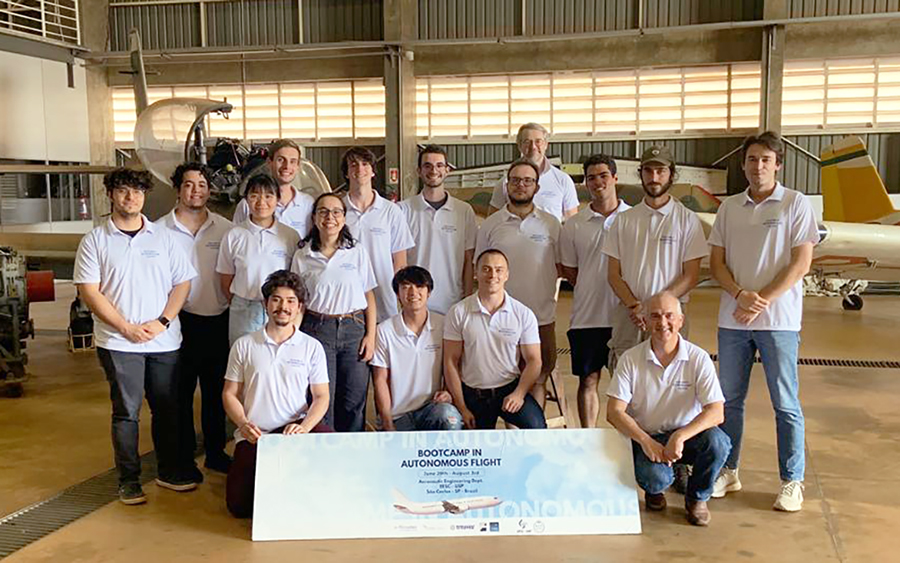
x: 58, y: 435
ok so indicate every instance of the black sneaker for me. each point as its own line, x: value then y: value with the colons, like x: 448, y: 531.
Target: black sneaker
x: 180, y: 484
x: 220, y: 463
x: 194, y: 473
x: 131, y: 493
x: 682, y: 474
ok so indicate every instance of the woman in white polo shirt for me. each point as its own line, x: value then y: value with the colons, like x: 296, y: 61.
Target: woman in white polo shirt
x: 340, y: 309
x: 251, y: 251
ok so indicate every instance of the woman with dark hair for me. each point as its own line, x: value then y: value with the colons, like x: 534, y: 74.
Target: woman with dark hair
x: 340, y: 309
x: 250, y: 252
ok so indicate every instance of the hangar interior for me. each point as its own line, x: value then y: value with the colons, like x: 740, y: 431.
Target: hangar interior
x: 611, y: 76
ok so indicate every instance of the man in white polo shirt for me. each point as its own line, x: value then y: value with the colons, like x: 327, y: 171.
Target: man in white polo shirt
x: 135, y: 279
x: 408, y: 364
x: 584, y: 265
x: 557, y: 196
x: 529, y: 238
x: 485, y: 337
x: 444, y: 230
x: 378, y: 224
x: 204, y: 318
x: 655, y: 246
x: 270, y: 374
x: 665, y: 396
x: 762, y: 246
x: 294, y: 207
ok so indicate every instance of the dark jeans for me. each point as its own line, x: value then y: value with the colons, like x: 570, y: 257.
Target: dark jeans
x: 130, y: 375
x: 486, y: 405
x: 707, y: 452
x: 348, y: 376
x: 241, y: 481
x: 204, y: 357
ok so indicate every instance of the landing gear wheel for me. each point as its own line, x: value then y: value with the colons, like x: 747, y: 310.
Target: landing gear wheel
x: 852, y: 303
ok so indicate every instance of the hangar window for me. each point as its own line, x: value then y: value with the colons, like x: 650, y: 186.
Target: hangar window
x: 304, y: 111
x: 717, y: 99
x: 850, y: 93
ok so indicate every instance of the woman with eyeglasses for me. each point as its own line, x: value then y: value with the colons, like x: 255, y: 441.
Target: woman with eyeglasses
x: 340, y: 309
x: 251, y: 251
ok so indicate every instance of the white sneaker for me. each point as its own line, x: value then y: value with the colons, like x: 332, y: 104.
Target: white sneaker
x: 790, y: 499
x: 727, y: 482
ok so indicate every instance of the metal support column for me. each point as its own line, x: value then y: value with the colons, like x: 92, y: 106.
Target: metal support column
x: 400, y: 24
x: 772, y: 67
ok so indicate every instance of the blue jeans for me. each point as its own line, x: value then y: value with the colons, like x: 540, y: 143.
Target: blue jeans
x: 244, y: 316
x: 348, y: 376
x: 706, y: 452
x: 486, y: 405
x: 131, y: 375
x: 778, y: 350
x: 432, y: 416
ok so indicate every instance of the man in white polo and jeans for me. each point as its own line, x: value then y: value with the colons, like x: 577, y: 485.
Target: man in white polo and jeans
x: 762, y: 246
x: 529, y: 238
x: 557, y: 196
x: 492, y: 353
x: 444, y: 230
x: 407, y: 369
x: 135, y: 278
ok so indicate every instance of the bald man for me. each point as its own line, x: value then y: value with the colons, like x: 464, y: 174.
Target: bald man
x: 665, y: 396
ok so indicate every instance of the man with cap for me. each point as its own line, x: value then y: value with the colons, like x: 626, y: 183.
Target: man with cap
x: 557, y: 195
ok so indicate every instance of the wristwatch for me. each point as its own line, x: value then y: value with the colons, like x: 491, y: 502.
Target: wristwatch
x: 164, y: 321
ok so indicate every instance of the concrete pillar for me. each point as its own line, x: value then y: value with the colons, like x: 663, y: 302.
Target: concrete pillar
x: 94, y: 33
x: 400, y: 24
x: 772, y: 67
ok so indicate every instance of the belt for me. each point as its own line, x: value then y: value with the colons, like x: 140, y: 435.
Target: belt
x: 491, y: 393
x: 350, y: 315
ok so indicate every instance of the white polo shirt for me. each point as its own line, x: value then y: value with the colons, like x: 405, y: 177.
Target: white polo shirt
x: 490, y: 342
x: 382, y: 230
x: 250, y: 253
x: 136, y: 274
x: 206, y: 297
x: 415, y: 361
x: 758, y: 239
x: 338, y: 285
x: 276, y: 377
x: 442, y: 238
x: 556, y: 195
x: 532, y: 248
x: 581, y: 246
x: 664, y: 399
x: 297, y: 214
x: 653, y: 244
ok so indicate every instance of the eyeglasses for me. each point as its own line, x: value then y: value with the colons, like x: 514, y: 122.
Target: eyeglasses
x: 527, y: 182
x: 324, y: 212
x: 437, y: 166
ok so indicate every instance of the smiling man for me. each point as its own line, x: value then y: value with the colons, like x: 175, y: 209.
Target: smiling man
x: 271, y: 375
x: 294, y: 207
x: 666, y: 398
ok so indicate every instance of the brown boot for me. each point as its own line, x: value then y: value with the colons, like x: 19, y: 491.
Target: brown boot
x: 655, y: 502
x: 697, y: 512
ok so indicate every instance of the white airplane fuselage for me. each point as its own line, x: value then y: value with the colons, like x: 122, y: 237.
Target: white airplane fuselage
x: 455, y: 506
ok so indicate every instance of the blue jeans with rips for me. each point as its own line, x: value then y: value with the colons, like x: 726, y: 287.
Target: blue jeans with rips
x: 432, y: 416
x: 778, y: 350
x: 706, y: 452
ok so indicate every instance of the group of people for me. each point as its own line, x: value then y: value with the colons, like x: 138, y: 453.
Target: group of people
x: 283, y: 314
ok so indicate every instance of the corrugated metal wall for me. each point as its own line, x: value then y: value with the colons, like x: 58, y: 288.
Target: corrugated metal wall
x: 547, y: 17
x: 664, y: 13
x: 169, y: 26
x: 458, y: 19
x: 342, y: 20
x: 819, y: 8
x: 261, y: 22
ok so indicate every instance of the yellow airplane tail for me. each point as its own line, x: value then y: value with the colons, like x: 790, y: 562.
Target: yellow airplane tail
x: 852, y: 190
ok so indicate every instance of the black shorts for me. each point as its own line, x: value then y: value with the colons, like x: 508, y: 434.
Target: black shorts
x: 590, y: 349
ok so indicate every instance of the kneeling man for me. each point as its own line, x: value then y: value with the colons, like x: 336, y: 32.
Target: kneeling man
x: 485, y: 336
x: 665, y: 396
x: 407, y: 366
x: 270, y: 373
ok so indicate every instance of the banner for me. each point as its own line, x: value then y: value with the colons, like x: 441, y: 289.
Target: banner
x: 461, y: 483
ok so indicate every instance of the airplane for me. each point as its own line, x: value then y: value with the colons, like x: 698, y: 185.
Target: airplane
x: 456, y: 506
